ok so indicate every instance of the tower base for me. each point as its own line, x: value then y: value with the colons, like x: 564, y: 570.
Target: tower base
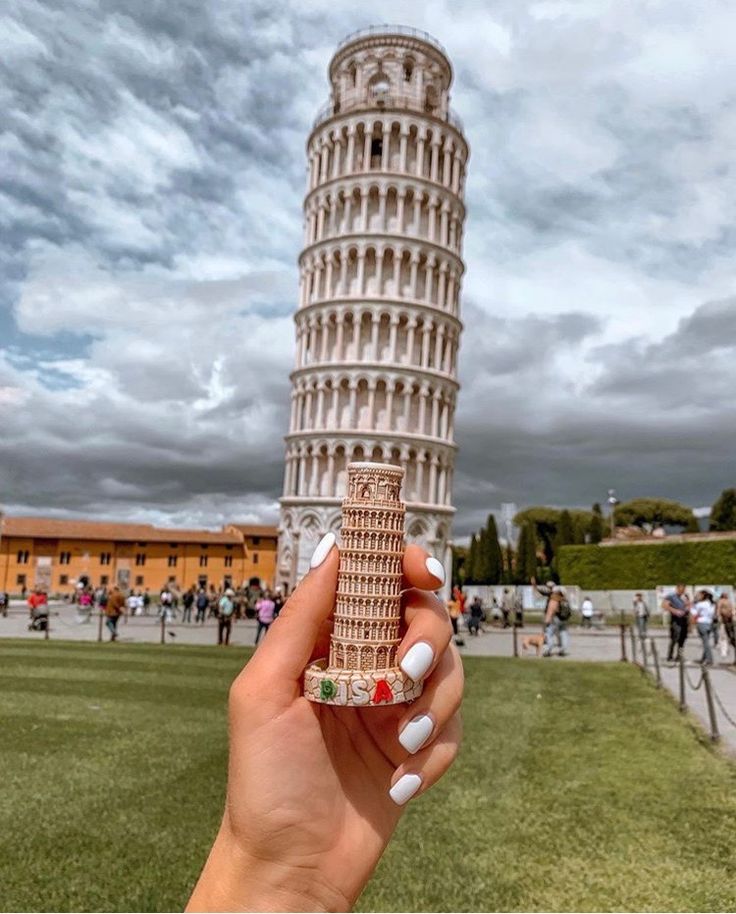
x: 358, y: 689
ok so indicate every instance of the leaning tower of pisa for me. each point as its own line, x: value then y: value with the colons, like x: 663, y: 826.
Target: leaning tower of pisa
x: 378, y: 322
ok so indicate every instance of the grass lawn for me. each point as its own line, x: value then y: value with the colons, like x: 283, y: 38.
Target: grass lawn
x: 578, y: 788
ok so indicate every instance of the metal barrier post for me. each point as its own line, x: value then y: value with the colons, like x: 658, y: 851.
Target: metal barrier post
x: 655, y: 658
x: 516, y: 641
x: 683, y: 703
x: 623, y: 644
x: 643, y: 645
x: 99, y: 625
x: 714, y: 734
x: 48, y: 628
x: 633, y: 644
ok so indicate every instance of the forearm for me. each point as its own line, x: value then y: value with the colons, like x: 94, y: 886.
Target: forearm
x: 233, y: 880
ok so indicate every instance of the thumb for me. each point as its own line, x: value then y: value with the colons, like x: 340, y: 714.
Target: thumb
x: 288, y: 646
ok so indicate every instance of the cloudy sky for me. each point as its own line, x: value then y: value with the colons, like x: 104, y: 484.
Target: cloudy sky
x: 150, y: 218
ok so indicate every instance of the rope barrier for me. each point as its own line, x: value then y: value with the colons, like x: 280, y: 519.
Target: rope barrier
x: 690, y: 682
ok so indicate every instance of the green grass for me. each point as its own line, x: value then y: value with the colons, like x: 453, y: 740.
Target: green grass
x: 578, y: 788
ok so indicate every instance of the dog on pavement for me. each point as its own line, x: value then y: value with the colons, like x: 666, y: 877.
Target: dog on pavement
x: 532, y: 641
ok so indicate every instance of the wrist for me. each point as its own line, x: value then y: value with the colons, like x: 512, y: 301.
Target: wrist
x: 235, y: 880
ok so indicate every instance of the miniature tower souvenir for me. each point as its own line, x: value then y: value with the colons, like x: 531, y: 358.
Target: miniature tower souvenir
x: 362, y: 670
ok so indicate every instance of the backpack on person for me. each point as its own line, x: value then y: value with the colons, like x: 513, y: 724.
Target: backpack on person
x: 564, y: 610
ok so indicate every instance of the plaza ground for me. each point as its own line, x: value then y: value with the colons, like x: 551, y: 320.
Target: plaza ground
x: 579, y: 787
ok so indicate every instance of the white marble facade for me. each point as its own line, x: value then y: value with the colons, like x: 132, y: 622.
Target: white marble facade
x: 378, y: 322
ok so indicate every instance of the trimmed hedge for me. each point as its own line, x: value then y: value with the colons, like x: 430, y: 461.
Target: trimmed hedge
x: 629, y: 567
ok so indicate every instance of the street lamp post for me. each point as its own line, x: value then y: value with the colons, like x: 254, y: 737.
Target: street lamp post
x: 612, y: 502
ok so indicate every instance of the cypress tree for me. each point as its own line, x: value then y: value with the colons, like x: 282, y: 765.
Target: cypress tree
x: 596, y: 525
x: 471, y: 560
x: 526, y: 554
x: 493, y: 565
x: 481, y: 569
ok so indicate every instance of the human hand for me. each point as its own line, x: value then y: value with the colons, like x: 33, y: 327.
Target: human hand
x: 315, y: 791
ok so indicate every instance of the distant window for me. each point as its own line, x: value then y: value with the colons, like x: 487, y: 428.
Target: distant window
x: 105, y: 558
x: 21, y: 580
x: 408, y: 69
x: 173, y: 545
x: 139, y: 580
x: 353, y: 75
x: 172, y: 579
x: 22, y: 556
x: 228, y: 580
x: 104, y: 580
x: 172, y: 561
x: 255, y: 558
x: 229, y: 547
x: 203, y: 546
x: 228, y: 561
x: 140, y: 558
x: 376, y: 152
x: 256, y: 540
x: 202, y: 580
x: 63, y: 579
x: 141, y: 544
x: 65, y: 558
x: 203, y: 561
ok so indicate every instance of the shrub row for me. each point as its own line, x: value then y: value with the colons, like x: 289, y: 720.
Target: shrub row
x: 629, y: 567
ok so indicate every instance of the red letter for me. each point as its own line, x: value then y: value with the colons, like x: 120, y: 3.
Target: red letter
x: 383, y: 692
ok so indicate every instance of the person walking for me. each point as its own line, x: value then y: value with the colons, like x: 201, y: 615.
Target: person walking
x: 4, y: 602
x: 278, y: 602
x: 114, y: 609
x: 725, y: 615
x: 703, y: 612
x: 556, y: 616
x: 265, y: 608
x: 677, y: 604
x: 187, y: 603
x: 225, y: 610
x: 507, y: 606
x: 202, y: 602
x: 641, y: 615
x: 587, y: 611
x: 476, y: 616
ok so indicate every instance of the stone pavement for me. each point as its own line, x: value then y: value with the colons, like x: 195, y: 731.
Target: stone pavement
x: 594, y: 646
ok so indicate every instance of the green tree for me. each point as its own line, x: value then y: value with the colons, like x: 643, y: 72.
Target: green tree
x: 723, y: 512
x: 596, y: 524
x: 492, y: 566
x: 470, y: 561
x: 459, y: 558
x: 526, y: 554
x: 648, y: 513
x: 579, y: 532
x: 546, y: 522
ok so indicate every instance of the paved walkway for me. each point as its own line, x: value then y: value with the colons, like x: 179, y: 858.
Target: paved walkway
x: 594, y: 646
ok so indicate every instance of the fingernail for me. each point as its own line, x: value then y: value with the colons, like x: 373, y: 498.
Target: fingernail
x: 405, y: 788
x: 417, y: 660
x: 434, y: 567
x: 416, y: 733
x: 323, y: 550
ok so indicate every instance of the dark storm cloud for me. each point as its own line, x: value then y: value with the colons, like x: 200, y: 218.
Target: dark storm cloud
x: 150, y: 223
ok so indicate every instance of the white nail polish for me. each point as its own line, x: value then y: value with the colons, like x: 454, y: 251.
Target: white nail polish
x: 417, y: 660
x: 405, y: 788
x: 434, y: 567
x: 416, y: 733
x: 323, y: 550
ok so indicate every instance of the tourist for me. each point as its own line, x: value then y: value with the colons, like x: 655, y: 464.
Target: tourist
x: 477, y: 615
x: 146, y: 601
x: 453, y: 609
x: 518, y: 609
x: 556, y: 617
x: 725, y: 615
x: 4, y: 602
x: 641, y: 614
x: 166, y: 602
x: 337, y: 769
x: 225, y: 610
x: 507, y: 606
x: 86, y: 603
x: 677, y: 604
x: 187, y: 603
x: 587, y: 611
x: 38, y: 607
x: 113, y: 611
x: 703, y: 612
x: 202, y: 603
x: 278, y: 602
x: 131, y: 603
x: 265, y: 608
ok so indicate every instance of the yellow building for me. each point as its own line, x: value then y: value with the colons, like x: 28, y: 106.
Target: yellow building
x: 57, y: 554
